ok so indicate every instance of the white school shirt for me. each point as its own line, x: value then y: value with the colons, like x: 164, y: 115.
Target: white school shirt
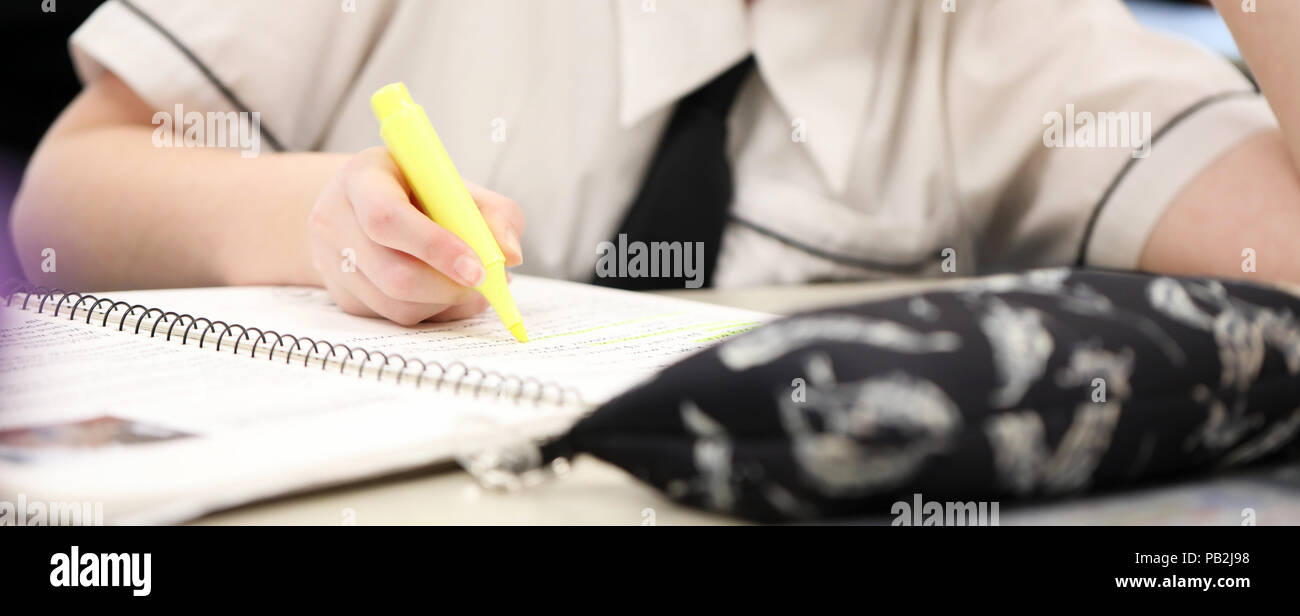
x: 875, y: 138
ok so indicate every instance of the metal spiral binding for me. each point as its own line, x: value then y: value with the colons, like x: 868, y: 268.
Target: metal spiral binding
x: 158, y: 322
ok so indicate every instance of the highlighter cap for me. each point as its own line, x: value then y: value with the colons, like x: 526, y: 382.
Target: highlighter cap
x: 391, y: 99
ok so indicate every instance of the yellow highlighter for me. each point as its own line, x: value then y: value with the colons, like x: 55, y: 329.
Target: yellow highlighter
x: 419, y: 153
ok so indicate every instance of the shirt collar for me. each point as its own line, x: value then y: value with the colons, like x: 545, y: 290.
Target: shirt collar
x: 814, y: 57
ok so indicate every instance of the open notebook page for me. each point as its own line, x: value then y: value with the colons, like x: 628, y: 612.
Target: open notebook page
x: 595, y: 340
x: 156, y: 431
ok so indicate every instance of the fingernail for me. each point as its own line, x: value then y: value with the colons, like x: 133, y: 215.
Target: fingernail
x: 470, y: 270
x: 513, y: 241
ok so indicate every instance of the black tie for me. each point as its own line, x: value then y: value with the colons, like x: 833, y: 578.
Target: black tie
x: 687, y: 189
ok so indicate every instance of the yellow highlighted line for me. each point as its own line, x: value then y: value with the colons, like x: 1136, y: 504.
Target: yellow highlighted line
x: 723, y: 335
x: 716, y: 325
x: 592, y: 329
x: 733, y: 324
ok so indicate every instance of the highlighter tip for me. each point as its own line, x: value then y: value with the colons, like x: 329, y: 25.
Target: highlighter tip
x: 518, y: 330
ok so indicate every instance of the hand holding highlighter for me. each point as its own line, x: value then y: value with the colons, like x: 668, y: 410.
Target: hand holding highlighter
x: 441, y: 192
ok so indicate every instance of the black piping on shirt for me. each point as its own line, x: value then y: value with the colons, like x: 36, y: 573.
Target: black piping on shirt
x: 898, y: 268
x: 203, y: 68
x: 1128, y: 166
x: 907, y: 268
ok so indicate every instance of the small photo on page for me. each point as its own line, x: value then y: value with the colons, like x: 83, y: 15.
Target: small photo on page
x: 38, y: 443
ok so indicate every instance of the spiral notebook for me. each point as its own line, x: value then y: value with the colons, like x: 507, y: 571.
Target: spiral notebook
x: 159, y: 406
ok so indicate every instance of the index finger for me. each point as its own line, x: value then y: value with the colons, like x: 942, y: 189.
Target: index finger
x: 386, y: 215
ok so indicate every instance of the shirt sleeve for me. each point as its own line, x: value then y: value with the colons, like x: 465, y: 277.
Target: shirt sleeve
x: 1018, y: 67
x: 291, y: 61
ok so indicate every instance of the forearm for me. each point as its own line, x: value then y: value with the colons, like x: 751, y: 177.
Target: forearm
x: 1240, y: 216
x: 1237, y: 219
x: 1268, y: 41
x: 122, y: 213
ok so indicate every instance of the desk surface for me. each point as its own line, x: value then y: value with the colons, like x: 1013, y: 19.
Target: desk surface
x: 597, y: 493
